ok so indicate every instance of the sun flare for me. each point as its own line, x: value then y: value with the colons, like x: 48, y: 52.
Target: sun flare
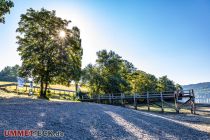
x: 62, y: 34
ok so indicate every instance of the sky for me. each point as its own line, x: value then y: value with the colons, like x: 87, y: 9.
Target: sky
x: 161, y: 37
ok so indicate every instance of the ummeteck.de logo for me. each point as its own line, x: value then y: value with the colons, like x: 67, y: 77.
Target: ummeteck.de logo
x: 32, y: 133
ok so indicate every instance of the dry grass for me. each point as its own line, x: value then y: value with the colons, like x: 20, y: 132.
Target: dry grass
x: 60, y: 95
x: 156, y: 109
x: 7, y: 95
x: 166, y: 109
x: 52, y: 97
x: 3, y: 83
x: 26, y: 90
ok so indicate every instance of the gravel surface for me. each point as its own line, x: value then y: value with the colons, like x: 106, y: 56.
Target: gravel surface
x: 87, y: 121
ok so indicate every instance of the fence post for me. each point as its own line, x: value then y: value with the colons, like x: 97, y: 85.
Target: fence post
x: 17, y: 89
x: 110, y: 101
x: 134, y: 100
x: 122, y: 100
x: 161, y: 95
x: 193, y: 102
x: 148, y: 101
x: 99, y: 100
x: 175, y: 103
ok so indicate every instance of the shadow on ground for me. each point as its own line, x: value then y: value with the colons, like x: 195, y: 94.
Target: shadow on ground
x: 81, y: 121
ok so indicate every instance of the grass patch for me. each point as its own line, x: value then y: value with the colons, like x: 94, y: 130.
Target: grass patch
x: 156, y: 109
x: 4, y: 94
x: 59, y: 100
x: 62, y: 87
x: 3, y: 82
x: 23, y: 92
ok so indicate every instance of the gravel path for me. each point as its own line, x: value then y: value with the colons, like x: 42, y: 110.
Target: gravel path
x: 87, y: 121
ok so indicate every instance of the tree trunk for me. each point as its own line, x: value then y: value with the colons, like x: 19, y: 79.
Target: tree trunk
x: 45, y: 89
x: 76, y: 88
x: 69, y: 83
x: 46, y: 81
x: 41, y: 88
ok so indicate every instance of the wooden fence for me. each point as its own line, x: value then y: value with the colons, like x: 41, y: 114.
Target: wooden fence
x: 162, y: 99
x: 35, y: 88
x: 174, y: 100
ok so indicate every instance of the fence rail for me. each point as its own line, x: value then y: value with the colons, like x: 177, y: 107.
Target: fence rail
x: 149, y: 98
x: 36, y: 87
x: 7, y: 85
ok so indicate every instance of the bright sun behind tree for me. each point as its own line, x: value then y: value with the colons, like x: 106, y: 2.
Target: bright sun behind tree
x: 62, y: 34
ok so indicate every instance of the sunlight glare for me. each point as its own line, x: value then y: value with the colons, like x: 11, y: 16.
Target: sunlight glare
x: 62, y: 34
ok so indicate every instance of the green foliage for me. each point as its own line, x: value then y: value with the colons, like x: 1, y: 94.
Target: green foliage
x: 178, y: 87
x: 109, y: 75
x: 92, y: 77
x: 46, y: 56
x: 9, y: 73
x: 71, y: 67
x: 165, y: 84
x: 5, y: 6
x: 143, y: 82
x: 112, y: 74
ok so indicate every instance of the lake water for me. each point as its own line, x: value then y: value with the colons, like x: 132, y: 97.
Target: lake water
x: 202, y: 95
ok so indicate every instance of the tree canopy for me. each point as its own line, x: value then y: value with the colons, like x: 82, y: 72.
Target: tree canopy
x: 5, y: 6
x: 165, y: 84
x: 9, y: 73
x: 46, y: 55
x: 109, y: 74
x: 112, y: 74
x: 143, y: 82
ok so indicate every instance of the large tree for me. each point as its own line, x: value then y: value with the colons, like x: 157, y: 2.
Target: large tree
x: 72, y: 70
x: 5, y: 6
x: 178, y: 87
x: 143, y: 82
x: 165, y: 84
x: 109, y: 75
x: 48, y: 49
x: 92, y: 77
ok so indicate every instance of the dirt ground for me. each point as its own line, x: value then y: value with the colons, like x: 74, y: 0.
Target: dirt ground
x: 87, y: 121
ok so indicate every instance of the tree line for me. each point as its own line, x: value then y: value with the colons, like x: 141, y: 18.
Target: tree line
x: 112, y: 74
x: 9, y: 73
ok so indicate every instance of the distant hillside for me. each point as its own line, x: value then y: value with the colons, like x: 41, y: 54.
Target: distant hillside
x: 197, y: 86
